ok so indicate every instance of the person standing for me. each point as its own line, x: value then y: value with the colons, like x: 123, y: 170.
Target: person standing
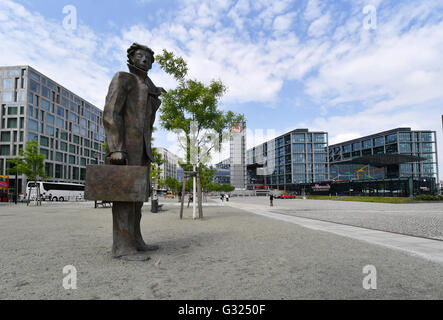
x: 271, y: 200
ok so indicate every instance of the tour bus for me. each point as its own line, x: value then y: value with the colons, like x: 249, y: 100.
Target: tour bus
x: 57, y: 191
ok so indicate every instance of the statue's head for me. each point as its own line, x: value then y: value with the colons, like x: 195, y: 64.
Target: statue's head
x: 141, y: 56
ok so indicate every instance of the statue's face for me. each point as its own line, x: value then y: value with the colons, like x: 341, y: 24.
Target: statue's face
x: 142, y: 59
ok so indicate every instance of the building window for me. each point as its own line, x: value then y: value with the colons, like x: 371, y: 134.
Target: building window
x: 45, y: 152
x: 7, y: 96
x: 45, y: 92
x: 8, y: 83
x: 60, y: 123
x: 45, y: 104
x: 356, y: 146
x: 44, y: 141
x: 427, y: 147
x: 50, y: 130
x: 379, y: 150
x: 379, y: 141
x: 299, y: 168
x: 347, y: 148
x: 391, y: 138
x: 59, y: 156
x: 6, y: 136
x: 391, y: 148
x: 404, y: 136
x: 60, y: 111
x: 405, y: 148
x: 298, y: 147
x: 63, y: 146
x: 34, y: 86
x: 299, y: 178
x: 320, y: 157
x: 5, y: 150
x: 12, y: 110
x: 12, y: 123
x: 50, y: 118
x: 32, y: 136
x: 64, y: 135
x: 299, y: 158
x: 367, y: 144
x: 319, y: 147
x: 427, y: 136
x: 319, y: 137
x: 72, y: 159
x: 298, y: 137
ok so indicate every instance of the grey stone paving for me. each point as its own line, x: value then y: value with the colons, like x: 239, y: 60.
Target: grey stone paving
x: 231, y: 254
x: 416, y: 219
x: 427, y: 248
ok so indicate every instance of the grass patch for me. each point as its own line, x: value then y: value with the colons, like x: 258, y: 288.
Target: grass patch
x: 365, y: 199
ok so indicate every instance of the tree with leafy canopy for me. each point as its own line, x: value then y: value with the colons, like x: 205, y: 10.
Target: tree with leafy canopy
x: 156, y: 171
x: 193, y: 101
x: 31, y: 163
x: 192, y: 108
x: 173, y: 184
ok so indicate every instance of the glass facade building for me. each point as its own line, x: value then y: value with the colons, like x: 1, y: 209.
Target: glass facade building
x: 299, y: 156
x: 401, y: 141
x: 68, y: 129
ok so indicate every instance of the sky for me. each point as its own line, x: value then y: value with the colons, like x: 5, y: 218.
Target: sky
x: 350, y: 68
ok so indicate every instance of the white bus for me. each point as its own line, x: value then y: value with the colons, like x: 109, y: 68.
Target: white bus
x: 57, y: 191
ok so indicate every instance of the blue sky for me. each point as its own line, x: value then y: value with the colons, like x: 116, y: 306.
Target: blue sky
x: 287, y: 64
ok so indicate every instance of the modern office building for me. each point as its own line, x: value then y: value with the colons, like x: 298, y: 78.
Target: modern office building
x: 69, y: 129
x: 396, y: 153
x: 170, y: 164
x: 238, y: 156
x: 223, y: 173
x: 295, y: 158
x: 397, y: 162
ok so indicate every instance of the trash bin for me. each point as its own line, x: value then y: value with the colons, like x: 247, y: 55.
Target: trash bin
x: 154, y: 205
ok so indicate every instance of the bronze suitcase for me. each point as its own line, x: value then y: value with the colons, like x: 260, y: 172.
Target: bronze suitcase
x: 117, y: 183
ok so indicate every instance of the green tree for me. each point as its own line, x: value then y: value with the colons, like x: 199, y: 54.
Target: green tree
x: 206, y: 176
x: 31, y: 163
x: 156, y: 171
x: 173, y: 184
x: 193, y: 101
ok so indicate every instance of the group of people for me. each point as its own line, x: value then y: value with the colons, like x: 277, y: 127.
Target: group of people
x: 46, y: 197
x: 223, y: 197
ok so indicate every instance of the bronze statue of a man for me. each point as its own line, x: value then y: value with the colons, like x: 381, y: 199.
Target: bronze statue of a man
x: 128, y: 119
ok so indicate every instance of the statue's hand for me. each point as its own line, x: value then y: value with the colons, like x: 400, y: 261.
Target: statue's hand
x: 118, y: 158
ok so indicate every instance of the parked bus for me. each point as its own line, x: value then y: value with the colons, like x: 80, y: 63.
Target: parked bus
x: 57, y: 191
x: 4, y: 188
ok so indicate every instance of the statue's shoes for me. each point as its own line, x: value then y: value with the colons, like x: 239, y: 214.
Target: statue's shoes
x: 136, y: 257
x: 148, y: 247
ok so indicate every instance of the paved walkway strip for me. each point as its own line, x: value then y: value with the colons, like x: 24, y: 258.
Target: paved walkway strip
x: 426, y: 248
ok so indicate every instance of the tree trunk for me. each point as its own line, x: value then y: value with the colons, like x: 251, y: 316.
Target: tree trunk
x: 183, y: 196
x: 199, y: 191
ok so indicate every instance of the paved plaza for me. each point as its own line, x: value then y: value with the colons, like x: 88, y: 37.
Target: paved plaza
x: 239, y: 251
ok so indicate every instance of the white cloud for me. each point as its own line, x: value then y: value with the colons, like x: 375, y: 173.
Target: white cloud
x: 66, y: 57
x: 320, y: 26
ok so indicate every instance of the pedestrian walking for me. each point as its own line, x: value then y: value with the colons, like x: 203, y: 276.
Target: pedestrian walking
x: 271, y: 200
x: 190, y: 199
x: 227, y: 198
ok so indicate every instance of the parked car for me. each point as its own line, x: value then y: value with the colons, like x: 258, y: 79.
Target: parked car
x: 287, y: 196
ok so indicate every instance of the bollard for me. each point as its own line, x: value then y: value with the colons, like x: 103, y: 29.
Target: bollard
x: 154, y: 205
